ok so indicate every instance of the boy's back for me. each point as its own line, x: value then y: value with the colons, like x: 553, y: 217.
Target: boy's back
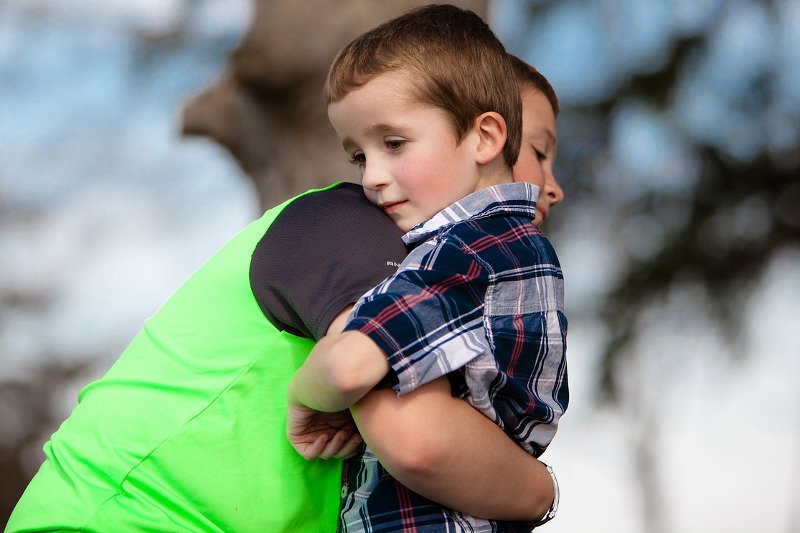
x: 185, y: 431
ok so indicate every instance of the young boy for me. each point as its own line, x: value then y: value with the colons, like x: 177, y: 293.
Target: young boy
x: 539, y: 139
x: 427, y: 106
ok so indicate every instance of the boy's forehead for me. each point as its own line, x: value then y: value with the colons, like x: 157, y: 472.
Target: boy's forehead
x: 381, y: 104
x: 395, y: 84
x: 537, y: 113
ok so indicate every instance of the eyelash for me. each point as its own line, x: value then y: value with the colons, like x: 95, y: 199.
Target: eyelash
x: 358, y: 159
x: 539, y: 155
x: 394, y: 144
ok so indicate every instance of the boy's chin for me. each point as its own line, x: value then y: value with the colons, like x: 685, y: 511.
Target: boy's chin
x: 405, y: 224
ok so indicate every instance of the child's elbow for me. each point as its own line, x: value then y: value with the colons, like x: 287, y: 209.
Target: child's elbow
x: 344, y: 380
x: 354, y: 365
x: 417, y: 463
x: 412, y: 456
x: 345, y: 370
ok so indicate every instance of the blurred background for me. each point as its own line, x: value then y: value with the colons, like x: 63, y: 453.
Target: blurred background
x: 137, y: 137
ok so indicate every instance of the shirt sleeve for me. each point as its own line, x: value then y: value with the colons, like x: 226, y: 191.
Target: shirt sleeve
x: 323, y: 251
x: 427, y: 318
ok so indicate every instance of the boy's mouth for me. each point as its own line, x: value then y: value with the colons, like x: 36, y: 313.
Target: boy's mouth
x: 391, y: 207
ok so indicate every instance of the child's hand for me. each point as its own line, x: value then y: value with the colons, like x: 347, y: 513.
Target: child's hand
x: 325, y: 435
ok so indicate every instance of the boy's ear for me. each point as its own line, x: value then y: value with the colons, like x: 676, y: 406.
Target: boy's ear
x: 491, y: 130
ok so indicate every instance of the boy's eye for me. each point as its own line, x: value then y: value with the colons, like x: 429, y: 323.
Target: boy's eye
x: 541, y: 156
x: 394, y: 144
x: 358, y: 159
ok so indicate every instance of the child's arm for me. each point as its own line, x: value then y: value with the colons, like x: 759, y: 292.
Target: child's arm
x: 435, y: 444
x: 340, y: 369
x: 444, y: 449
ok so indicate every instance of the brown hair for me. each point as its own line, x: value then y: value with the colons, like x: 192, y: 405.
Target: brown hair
x: 451, y: 57
x: 528, y: 75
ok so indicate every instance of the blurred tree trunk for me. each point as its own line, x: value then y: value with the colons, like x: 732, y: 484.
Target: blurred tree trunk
x: 266, y: 106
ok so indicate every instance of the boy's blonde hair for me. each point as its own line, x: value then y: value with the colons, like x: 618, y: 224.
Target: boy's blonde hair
x: 452, y: 59
x: 526, y: 74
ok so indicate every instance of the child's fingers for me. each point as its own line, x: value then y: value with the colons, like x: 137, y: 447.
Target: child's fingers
x: 350, y: 447
x: 313, y: 450
x: 336, y: 443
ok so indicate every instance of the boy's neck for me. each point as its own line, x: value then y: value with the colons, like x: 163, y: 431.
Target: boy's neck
x: 493, y: 173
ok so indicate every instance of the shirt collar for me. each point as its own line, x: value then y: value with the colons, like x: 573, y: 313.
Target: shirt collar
x: 507, y: 198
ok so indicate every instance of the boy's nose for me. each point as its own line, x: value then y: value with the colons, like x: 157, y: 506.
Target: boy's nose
x: 553, y: 190
x: 373, y: 177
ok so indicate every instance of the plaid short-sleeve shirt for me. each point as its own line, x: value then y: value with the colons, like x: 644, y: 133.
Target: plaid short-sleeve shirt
x: 480, y: 299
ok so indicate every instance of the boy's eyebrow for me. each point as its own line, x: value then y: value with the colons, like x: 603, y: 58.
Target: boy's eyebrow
x: 551, y: 135
x: 348, y: 144
x: 553, y: 138
x: 382, y: 128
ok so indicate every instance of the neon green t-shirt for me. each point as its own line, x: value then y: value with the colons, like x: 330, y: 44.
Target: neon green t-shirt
x: 186, y: 431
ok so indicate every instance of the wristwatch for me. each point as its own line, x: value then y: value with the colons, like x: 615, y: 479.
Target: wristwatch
x: 551, y: 513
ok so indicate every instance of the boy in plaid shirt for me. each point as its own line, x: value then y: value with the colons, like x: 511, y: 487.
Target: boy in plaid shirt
x: 428, y: 107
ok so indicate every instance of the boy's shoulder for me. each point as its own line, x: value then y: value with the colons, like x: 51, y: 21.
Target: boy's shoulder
x: 476, y: 236
x: 490, y: 248
x: 481, y: 212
